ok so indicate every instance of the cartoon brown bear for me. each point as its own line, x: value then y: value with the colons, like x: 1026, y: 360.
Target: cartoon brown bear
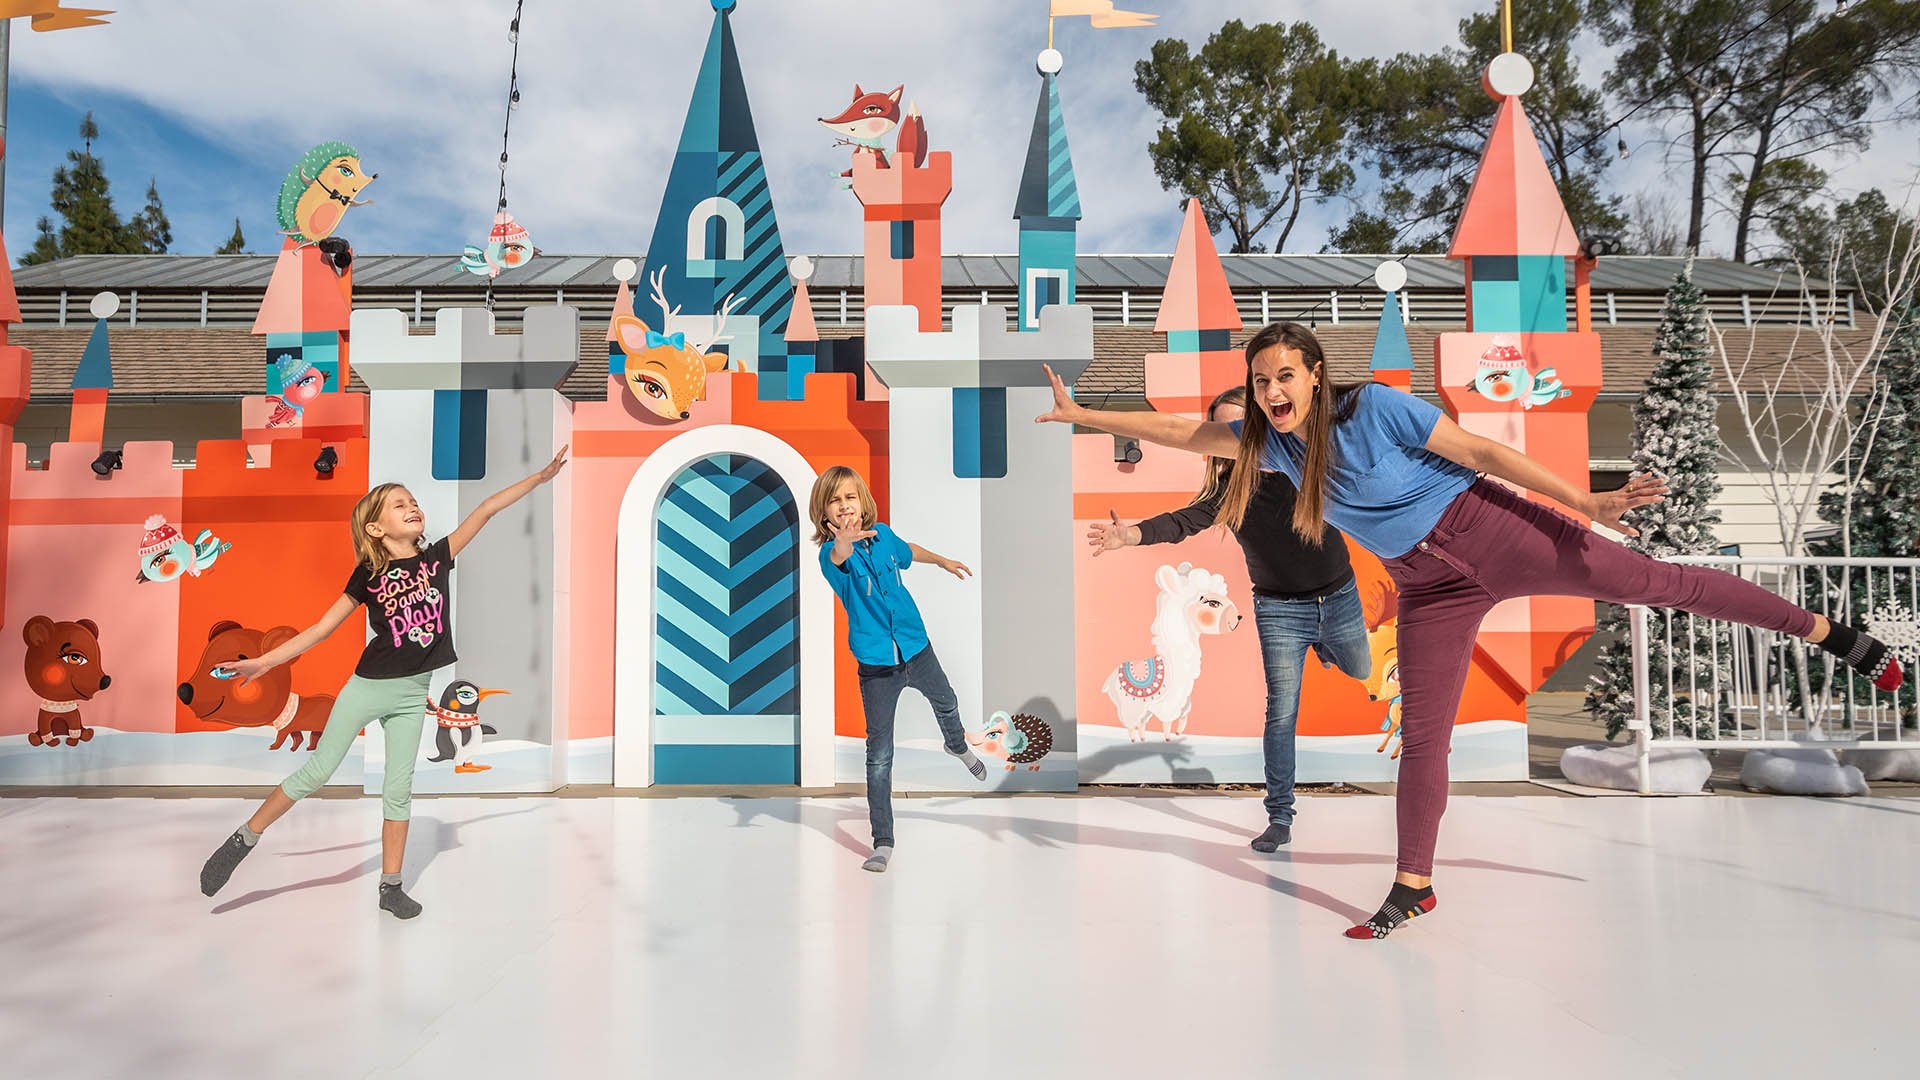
x: 63, y: 669
x: 266, y: 701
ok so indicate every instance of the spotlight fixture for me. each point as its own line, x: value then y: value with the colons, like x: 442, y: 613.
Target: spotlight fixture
x: 337, y: 253
x: 108, y: 461
x: 1126, y: 451
x: 1601, y: 245
x: 324, y: 464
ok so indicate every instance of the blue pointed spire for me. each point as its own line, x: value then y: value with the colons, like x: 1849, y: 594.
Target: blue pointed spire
x: 1392, y: 356
x: 96, y: 364
x: 716, y: 234
x: 1047, y: 205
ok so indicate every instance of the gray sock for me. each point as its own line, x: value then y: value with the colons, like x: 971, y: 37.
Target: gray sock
x: 249, y: 836
x: 877, y: 862
x: 972, y: 761
x: 394, y: 899
x: 389, y: 879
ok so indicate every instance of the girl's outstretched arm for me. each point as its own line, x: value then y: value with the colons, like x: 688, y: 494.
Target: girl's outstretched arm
x: 1154, y: 427
x: 251, y: 668
x: 952, y: 566
x: 499, y: 501
x: 1451, y: 441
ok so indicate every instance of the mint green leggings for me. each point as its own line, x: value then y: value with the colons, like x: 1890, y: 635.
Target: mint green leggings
x: 400, y: 705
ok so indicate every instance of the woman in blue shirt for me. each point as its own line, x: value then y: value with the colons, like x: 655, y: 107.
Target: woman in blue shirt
x: 864, y: 561
x: 1406, y: 482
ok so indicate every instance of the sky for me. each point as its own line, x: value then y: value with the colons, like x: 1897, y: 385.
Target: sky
x: 216, y: 99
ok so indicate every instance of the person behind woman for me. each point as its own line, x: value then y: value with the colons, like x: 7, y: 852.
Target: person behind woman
x: 864, y: 561
x: 406, y: 584
x: 1404, y: 481
x: 1304, y: 596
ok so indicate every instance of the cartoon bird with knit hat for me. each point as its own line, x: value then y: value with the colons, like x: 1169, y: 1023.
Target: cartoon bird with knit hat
x: 165, y: 554
x: 300, y: 384
x: 1504, y: 376
x: 508, y: 247
x: 459, y: 728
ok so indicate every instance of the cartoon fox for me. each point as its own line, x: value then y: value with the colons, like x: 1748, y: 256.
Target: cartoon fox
x: 665, y: 372
x: 867, y: 120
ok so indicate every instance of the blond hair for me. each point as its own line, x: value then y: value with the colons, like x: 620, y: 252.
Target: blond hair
x: 823, y: 492
x: 368, y: 549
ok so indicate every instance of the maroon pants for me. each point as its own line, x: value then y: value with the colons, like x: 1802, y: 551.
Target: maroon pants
x: 1493, y: 545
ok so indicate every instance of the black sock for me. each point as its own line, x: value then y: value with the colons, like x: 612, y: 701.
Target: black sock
x: 1404, y: 902
x: 1275, y: 836
x: 1863, y: 653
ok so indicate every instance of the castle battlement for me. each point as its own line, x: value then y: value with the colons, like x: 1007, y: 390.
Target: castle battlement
x: 465, y: 350
x: 149, y: 482
x: 982, y: 349
x: 897, y: 193
x: 146, y: 472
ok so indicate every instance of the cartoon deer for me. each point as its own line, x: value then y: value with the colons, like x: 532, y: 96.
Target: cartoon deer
x: 1191, y: 603
x: 1383, y: 683
x: 666, y: 372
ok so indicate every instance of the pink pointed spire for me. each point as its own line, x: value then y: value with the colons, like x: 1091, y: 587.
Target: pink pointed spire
x: 800, y: 324
x: 622, y: 305
x: 1197, y: 295
x: 1514, y: 208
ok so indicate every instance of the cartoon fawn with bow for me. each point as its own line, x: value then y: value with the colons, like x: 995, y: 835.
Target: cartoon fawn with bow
x: 665, y: 372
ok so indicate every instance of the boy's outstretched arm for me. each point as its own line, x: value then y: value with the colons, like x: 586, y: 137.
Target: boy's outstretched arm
x: 499, y: 501
x: 952, y: 566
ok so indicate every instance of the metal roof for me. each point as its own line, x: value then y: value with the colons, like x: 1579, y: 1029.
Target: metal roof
x: 193, y: 273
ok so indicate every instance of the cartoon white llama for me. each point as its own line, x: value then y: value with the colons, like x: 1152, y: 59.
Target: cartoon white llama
x: 1191, y: 603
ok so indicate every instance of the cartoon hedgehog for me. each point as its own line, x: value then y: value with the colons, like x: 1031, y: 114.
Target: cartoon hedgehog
x: 1021, y: 739
x: 316, y: 195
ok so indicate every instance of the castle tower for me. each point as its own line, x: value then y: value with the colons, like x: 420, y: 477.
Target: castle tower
x: 305, y: 314
x: 1518, y: 375
x: 1392, y: 357
x: 456, y: 416
x: 902, y: 237
x: 93, y: 379
x: 803, y: 334
x: 716, y: 234
x: 16, y: 386
x: 1048, y: 205
x: 1199, y: 317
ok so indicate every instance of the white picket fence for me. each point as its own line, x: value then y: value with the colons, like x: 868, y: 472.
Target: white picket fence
x: 1730, y: 686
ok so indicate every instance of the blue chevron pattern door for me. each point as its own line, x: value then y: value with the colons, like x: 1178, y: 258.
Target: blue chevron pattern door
x: 726, y: 628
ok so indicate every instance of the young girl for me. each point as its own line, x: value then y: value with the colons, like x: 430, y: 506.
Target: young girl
x: 406, y: 585
x: 863, y: 561
x: 1404, y: 481
x: 1304, y: 596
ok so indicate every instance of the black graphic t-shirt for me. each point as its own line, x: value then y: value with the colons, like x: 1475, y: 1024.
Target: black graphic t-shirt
x: 410, y: 610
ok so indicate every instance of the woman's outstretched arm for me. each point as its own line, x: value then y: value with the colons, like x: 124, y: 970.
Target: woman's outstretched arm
x: 1164, y: 429
x: 1451, y: 441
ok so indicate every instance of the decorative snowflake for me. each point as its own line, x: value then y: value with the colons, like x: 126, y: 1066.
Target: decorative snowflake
x: 1900, y: 629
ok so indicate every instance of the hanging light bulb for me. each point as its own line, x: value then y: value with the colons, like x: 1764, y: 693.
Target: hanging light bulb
x: 513, y: 99
x: 1622, y: 145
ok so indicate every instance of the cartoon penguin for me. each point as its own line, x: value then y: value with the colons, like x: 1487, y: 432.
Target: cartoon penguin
x: 460, y: 729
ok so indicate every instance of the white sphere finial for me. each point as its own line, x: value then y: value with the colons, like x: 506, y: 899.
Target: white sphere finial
x: 1509, y: 75
x: 625, y: 271
x: 801, y: 267
x: 104, y: 304
x: 1050, y: 62
x: 1391, y: 275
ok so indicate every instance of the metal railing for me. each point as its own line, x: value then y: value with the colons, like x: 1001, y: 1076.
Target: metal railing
x: 1711, y: 684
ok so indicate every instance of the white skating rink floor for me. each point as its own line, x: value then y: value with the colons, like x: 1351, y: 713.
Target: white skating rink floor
x: 1034, y: 936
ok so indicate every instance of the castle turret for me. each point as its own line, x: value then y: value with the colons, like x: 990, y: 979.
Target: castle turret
x: 1518, y: 375
x: 716, y: 235
x: 1048, y: 206
x: 902, y: 242
x: 93, y: 379
x: 1199, y: 317
x: 1392, y: 362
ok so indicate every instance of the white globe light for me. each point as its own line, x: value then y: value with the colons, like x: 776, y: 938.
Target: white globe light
x: 802, y: 268
x: 625, y: 270
x: 1050, y: 62
x: 1390, y: 276
x: 104, y: 304
x: 1509, y: 75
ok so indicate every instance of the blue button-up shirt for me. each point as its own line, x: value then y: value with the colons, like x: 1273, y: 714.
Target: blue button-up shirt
x: 883, y: 623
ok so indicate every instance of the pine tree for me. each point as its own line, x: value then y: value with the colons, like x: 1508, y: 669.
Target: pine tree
x: 236, y: 244
x: 84, y: 205
x: 150, y: 233
x: 1675, y: 436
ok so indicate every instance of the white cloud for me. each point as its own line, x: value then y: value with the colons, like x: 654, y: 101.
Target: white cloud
x: 420, y: 86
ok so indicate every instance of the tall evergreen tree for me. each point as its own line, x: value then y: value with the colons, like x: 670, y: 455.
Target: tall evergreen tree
x: 236, y: 244
x: 1675, y: 436
x: 89, y: 225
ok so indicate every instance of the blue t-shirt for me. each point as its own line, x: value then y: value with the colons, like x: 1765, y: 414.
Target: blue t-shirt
x: 883, y: 623
x: 1384, y: 487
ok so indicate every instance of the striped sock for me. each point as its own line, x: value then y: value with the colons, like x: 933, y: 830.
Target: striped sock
x: 1404, y: 902
x: 1865, y: 654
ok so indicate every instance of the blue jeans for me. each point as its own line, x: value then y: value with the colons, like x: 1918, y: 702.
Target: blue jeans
x: 1333, y: 627
x: 880, y: 689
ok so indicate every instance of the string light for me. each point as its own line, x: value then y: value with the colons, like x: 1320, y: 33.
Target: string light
x: 513, y: 105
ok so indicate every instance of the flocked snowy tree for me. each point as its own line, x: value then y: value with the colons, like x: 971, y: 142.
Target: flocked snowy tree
x: 1675, y: 436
